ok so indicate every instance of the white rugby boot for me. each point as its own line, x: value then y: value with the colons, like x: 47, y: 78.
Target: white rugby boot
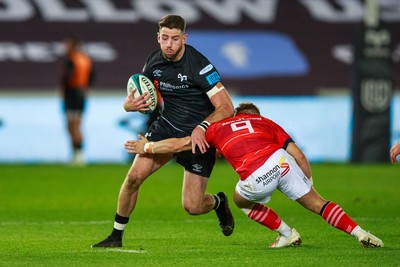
x: 282, y: 241
x: 78, y: 159
x: 367, y: 239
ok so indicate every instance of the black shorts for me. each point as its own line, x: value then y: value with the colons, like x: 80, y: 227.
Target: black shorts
x: 198, y: 163
x: 75, y: 100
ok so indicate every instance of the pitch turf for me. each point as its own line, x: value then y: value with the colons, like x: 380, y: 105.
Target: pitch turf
x: 51, y: 214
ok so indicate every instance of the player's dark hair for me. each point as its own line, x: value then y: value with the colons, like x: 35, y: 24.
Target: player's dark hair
x: 247, y: 108
x: 172, y: 22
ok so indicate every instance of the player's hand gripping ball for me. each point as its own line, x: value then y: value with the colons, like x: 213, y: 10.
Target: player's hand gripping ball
x: 142, y: 84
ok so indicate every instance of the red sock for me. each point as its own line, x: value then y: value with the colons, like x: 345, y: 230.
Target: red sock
x: 335, y: 216
x: 265, y: 216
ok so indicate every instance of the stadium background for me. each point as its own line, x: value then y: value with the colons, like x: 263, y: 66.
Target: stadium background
x: 293, y: 58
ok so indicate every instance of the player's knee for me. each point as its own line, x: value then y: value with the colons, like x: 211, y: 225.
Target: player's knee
x: 192, y: 209
x: 131, y: 185
x: 134, y: 179
x: 239, y: 203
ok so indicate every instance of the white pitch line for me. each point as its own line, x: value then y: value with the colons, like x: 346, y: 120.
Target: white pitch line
x: 85, y: 222
x: 12, y: 223
x: 54, y: 223
x: 121, y: 250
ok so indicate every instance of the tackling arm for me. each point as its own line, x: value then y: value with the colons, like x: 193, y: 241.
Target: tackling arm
x: 300, y: 158
x: 394, y: 152
x: 171, y: 145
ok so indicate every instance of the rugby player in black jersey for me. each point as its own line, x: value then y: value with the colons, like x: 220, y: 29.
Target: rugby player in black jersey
x: 193, y: 97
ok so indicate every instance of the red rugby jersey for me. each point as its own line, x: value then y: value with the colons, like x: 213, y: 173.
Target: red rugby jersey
x: 247, y: 141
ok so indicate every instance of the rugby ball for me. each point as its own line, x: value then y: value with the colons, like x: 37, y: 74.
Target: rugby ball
x: 142, y: 84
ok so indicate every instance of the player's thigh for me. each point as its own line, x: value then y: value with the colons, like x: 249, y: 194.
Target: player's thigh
x: 260, y: 185
x: 144, y: 165
x: 194, y: 188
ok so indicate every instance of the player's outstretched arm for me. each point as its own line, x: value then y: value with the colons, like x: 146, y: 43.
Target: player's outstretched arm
x: 300, y: 158
x: 394, y: 152
x: 171, y: 145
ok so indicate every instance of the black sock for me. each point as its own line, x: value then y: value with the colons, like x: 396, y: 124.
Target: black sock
x: 323, y: 208
x: 77, y: 146
x: 122, y: 220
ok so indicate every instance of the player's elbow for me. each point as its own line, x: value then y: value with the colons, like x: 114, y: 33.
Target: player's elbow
x: 230, y: 114
x: 302, y: 161
x: 226, y: 110
x: 229, y: 109
x: 300, y: 157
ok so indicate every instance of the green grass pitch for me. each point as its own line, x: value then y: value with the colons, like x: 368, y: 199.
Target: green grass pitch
x: 51, y: 214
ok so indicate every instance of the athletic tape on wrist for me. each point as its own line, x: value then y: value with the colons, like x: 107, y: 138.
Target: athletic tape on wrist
x: 148, y: 147
x: 204, y: 125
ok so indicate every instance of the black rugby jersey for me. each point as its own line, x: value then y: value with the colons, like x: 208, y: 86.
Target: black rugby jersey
x: 183, y: 86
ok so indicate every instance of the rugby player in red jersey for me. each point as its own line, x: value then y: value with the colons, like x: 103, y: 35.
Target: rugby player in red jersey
x: 266, y: 158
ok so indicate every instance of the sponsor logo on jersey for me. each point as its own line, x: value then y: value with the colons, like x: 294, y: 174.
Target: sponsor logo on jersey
x: 157, y: 73
x: 213, y: 78
x: 197, y: 167
x: 182, y: 77
x: 269, y: 176
x: 284, y: 166
x: 163, y: 86
x: 206, y: 69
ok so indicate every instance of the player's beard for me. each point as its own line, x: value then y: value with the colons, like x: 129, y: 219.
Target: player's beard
x: 173, y: 57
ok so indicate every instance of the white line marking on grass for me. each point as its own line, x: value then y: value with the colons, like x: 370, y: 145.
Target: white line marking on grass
x: 122, y: 250
x: 211, y: 221
x: 54, y: 223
